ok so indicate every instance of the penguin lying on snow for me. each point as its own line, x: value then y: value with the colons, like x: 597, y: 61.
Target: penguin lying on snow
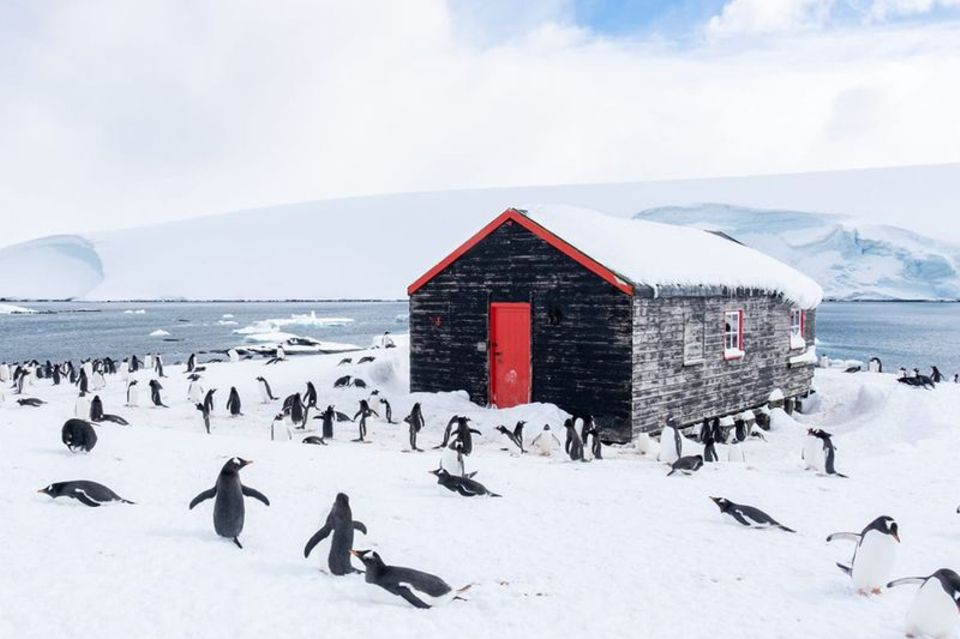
x: 875, y: 555
x: 420, y: 589
x: 341, y: 523
x: 934, y: 609
x: 748, y: 515
x: 462, y: 485
x: 89, y: 493
x: 78, y: 435
x: 687, y: 465
x: 228, y: 509
x: 33, y: 402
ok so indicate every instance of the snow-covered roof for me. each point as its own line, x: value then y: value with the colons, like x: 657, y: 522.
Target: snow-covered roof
x: 663, y: 255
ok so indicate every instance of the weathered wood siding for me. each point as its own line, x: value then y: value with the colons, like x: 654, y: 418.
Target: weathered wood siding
x: 581, y: 363
x: 664, y: 385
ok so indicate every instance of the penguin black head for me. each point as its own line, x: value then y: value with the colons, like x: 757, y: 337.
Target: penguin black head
x: 720, y: 502
x: 235, y: 464
x: 369, y: 558
x: 54, y: 490
x: 439, y: 473
x: 546, y: 427
x: 502, y: 429
x: 887, y: 526
x: 342, y: 499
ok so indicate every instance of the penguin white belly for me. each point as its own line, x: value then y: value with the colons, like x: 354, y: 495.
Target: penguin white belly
x: 668, y: 446
x: 133, y: 398
x: 148, y: 362
x: 933, y: 611
x: 233, y: 355
x: 875, y: 561
x: 449, y: 462
x: 81, y: 409
x: 546, y: 446
x: 735, y: 454
x: 642, y: 444
x: 195, y: 393
x: 264, y: 398
x: 813, y: 457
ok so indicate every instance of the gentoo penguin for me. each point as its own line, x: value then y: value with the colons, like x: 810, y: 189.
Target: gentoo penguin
x: 341, y: 523
x: 735, y: 452
x: 366, y: 359
x: 748, y: 515
x: 387, y: 410
x: 933, y: 612
x: 452, y: 459
x: 328, y: 416
x: 516, y: 436
x: 205, y: 415
x: 359, y: 383
x: 446, y: 432
x: 266, y: 395
x: 233, y: 403
x: 208, y: 400
x: 875, y: 365
x: 155, y: 388
x: 686, y: 465
x: 364, y: 412
x: 813, y: 453
x: 4, y: 372
x: 671, y: 444
x: 829, y: 451
x: 592, y: 438
x: 343, y: 382
x: 279, y: 430
x: 464, y: 434
x: 709, y: 442
x: 191, y: 362
x: 312, y: 439
x: 96, y: 409
x: 466, y: 486
x: 148, y: 362
x: 88, y: 493
x: 133, y: 394
x: 234, y: 355
x: 97, y: 382
x: 55, y: 374
x: 345, y: 360
x: 420, y: 589
x: 195, y: 392
x: 936, y: 376
x: 573, y: 445
x: 416, y: 423
x: 293, y: 409
x: 32, y: 402
x: 78, y: 435
x: 83, y: 382
x: 158, y: 366
x: 875, y: 555
x: 81, y: 408
x: 228, y: 509
x: 310, y: 397
x: 545, y: 443
x: 125, y: 371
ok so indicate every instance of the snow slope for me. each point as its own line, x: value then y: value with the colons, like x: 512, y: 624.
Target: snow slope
x: 850, y: 258
x: 610, y: 548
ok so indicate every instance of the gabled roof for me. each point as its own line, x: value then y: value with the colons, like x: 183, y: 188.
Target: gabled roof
x: 632, y: 253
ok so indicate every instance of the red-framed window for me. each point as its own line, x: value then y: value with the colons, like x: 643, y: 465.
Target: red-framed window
x: 733, y: 334
x: 798, y: 320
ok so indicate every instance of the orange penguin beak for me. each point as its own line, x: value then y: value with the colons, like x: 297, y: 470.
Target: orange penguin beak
x: 355, y: 553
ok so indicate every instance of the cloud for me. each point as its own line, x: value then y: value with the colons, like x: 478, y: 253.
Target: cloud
x: 739, y: 17
x: 117, y: 113
x: 884, y: 9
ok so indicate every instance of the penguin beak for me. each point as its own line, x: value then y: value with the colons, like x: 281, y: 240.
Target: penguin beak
x: 897, y: 537
x: 358, y: 553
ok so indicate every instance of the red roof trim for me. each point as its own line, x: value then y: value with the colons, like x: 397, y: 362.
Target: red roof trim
x: 512, y: 215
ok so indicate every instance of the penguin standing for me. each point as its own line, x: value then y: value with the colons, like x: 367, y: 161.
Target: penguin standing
x: 81, y: 408
x: 228, y: 509
x: 147, y: 362
x: 735, y: 452
x: 452, y: 459
x: 205, y: 414
x: 829, y: 452
x: 278, y: 428
x: 933, y: 612
x: 364, y: 413
x: 515, y: 436
x: 155, y: 388
x: 191, y: 362
x: 96, y: 409
x: 812, y: 453
x: 545, y: 443
x: 419, y: 589
x: 266, y: 395
x: 208, y: 400
x: 4, y: 372
x: 158, y: 366
x: 464, y: 434
x: 233, y: 403
x: 936, y: 375
x: 83, y: 382
x: 596, y: 445
x: 671, y: 445
x: 709, y: 443
x: 416, y: 423
x: 341, y: 523
x: 133, y: 394
x: 328, y: 416
x: 310, y: 397
x: 446, y: 432
x: 387, y: 410
x: 573, y: 445
x: 195, y: 392
x: 293, y: 409
x: 875, y: 555
x: 234, y: 355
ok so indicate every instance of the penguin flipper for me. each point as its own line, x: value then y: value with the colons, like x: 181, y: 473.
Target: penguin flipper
x: 740, y: 518
x: 359, y: 525
x: 256, y: 494
x: 318, y: 536
x: 906, y: 581
x: 844, y: 536
x: 205, y: 495
x: 847, y: 570
x: 406, y: 593
x: 82, y: 497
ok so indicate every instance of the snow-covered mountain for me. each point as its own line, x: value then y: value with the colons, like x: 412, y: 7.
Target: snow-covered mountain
x: 850, y: 258
x: 373, y: 247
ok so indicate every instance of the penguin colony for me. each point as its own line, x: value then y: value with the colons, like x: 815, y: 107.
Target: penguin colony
x: 934, y: 611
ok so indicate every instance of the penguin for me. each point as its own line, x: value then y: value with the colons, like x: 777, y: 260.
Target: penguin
x: 416, y: 424
x: 313, y: 439
x: 345, y: 360
x: 158, y: 366
x: 956, y: 378
x: 735, y: 452
x: 364, y: 412
x: 191, y: 362
x: 266, y: 395
x: 875, y: 365
x: 343, y: 382
x: 671, y: 445
x: 546, y: 443
x: 573, y: 445
x: 813, y: 452
x: 596, y: 444
x: 936, y: 376
x: 96, y: 409
x: 359, y: 383
x: 515, y: 436
x: 81, y: 408
x: 934, y: 609
x: 55, y: 374
x: 155, y: 388
x: 419, y: 589
x: 148, y: 362
x: 829, y: 452
x: 208, y: 400
x: 748, y: 515
x: 293, y: 409
x: 341, y: 524
x: 452, y: 459
x: 83, y: 382
x: 464, y: 434
x: 195, y: 392
x: 387, y: 410
x: 709, y: 443
x: 78, y: 435
x: 328, y: 416
x: 228, y: 509
x: 233, y: 403
x: 234, y: 355
x: 446, y: 432
x: 4, y: 372
x: 366, y: 359
x: 32, y: 402
x: 466, y: 486
x: 686, y: 465
x: 88, y: 493
x: 133, y: 394
x: 97, y: 382
x: 875, y: 554
x: 310, y: 397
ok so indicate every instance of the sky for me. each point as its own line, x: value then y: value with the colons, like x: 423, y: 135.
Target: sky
x: 117, y: 113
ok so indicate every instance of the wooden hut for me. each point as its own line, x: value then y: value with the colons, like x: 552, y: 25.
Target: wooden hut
x: 629, y: 321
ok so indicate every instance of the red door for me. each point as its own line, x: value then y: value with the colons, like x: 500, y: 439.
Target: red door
x: 509, y: 354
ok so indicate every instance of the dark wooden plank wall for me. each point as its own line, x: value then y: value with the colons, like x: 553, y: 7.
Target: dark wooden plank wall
x: 582, y: 364
x: 663, y: 385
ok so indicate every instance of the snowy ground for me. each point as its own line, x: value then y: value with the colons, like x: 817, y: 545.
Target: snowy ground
x: 611, y: 548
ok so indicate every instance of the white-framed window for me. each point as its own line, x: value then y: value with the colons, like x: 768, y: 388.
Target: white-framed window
x: 797, y: 320
x: 733, y: 334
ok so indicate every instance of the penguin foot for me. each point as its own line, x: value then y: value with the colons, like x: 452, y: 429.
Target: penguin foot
x: 877, y: 591
x: 237, y: 542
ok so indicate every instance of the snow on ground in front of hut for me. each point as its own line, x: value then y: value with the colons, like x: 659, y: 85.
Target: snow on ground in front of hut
x: 609, y: 548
